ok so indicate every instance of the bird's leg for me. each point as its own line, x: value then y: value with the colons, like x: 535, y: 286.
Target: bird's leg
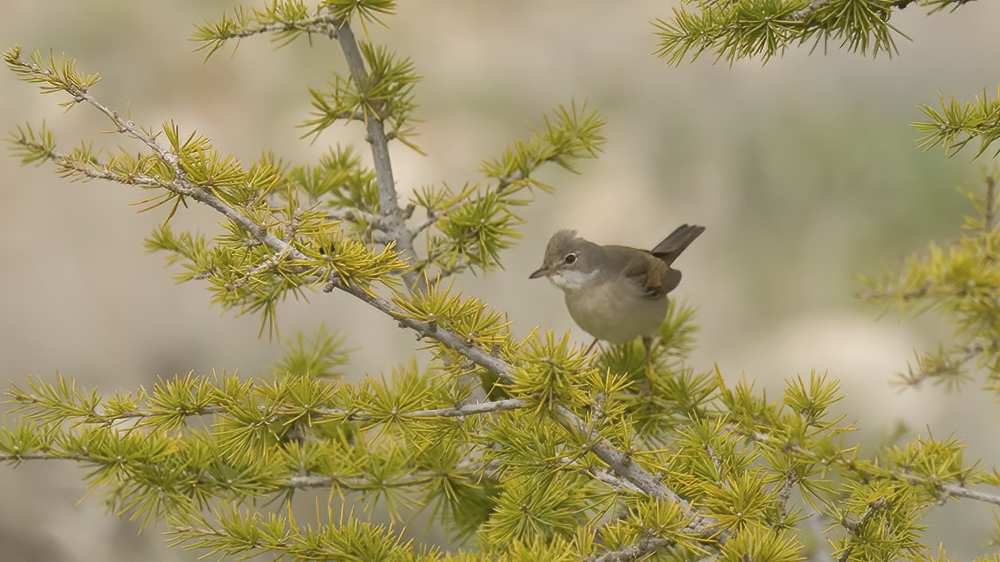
x: 590, y: 347
x: 647, y: 343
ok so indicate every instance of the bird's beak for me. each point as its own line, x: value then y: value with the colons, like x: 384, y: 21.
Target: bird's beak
x: 544, y: 271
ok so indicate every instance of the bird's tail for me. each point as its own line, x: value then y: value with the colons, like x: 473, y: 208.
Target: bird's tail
x: 679, y: 239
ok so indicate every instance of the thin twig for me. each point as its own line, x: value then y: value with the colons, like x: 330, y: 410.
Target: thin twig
x: 353, y: 215
x: 322, y: 24
x: 640, y: 549
x: 856, y: 527
x: 309, y: 481
x: 954, y: 490
x: 785, y: 494
x: 605, y: 476
x: 432, y: 217
x: 989, y: 207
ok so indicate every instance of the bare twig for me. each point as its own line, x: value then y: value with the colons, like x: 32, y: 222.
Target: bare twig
x: 353, y: 215
x: 309, y: 481
x: 784, y: 494
x: 956, y: 491
x: 989, y: 207
x: 606, y: 477
x: 855, y: 527
x: 640, y: 549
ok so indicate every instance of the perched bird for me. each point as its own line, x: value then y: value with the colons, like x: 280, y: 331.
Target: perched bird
x: 616, y: 293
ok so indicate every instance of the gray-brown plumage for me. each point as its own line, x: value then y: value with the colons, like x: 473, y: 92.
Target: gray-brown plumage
x: 615, y: 293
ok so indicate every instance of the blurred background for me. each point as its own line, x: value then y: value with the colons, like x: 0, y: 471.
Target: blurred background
x: 805, y: 172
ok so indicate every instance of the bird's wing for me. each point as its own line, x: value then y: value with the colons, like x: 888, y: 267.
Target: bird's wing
x: 652, y: 277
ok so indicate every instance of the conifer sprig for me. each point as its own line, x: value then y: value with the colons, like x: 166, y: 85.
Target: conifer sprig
x: 58, y: 74
x: 378, y: 93
x: 743, y: 29
x: 954, y: 126
x: 961, y: 280
x: 172, y: 403
x: 246, y: 533
x: 706, y: 461
x: 475, y: 223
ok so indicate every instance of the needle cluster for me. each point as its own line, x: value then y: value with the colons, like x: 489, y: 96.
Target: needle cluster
x: 743, y: 29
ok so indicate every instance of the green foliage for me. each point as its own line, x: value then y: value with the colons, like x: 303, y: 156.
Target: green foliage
x: 340, y: 181
x: 319, y: 360
x: 160, y: 456
x: 365, y: 11
x: 954, y: 126
x: 190, y: 446
x: 962, y: 281
x: 385, y: 95
x: 551, y: 370
x: 474, y: 224
x: 762, y: 544
x: 740, y: 29
x: 59, y: 74
x: 240, y: 533
x: 287, y: 19
x: 32, y: 146
x: 569, y: 455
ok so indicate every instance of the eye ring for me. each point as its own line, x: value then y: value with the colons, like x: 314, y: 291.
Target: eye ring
x: 570, y: 259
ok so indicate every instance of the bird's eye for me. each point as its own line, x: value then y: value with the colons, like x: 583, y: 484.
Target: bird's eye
x: 570, y: 259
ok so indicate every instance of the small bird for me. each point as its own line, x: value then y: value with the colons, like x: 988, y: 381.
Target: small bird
x: 616, y: 293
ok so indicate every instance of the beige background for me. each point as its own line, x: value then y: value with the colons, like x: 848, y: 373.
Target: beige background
x: 804, y: 170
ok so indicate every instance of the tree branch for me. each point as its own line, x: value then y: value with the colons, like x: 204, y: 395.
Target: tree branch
x: 856, y: 527
x: 948, y: 489
x: 956, y: 491
x: 620, y: 463
x: 391, y: 218
x: 470, y: 409
x: 309, y: 481
x: 815, y: 5
x: 463, y: 410
x: 605, y: 476
x: 640, y: 549
x: 319, y: 24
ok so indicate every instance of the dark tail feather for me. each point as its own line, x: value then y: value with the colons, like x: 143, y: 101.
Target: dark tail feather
x: 673, y: 245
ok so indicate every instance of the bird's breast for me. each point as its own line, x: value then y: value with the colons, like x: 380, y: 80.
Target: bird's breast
x: 616, y: 311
